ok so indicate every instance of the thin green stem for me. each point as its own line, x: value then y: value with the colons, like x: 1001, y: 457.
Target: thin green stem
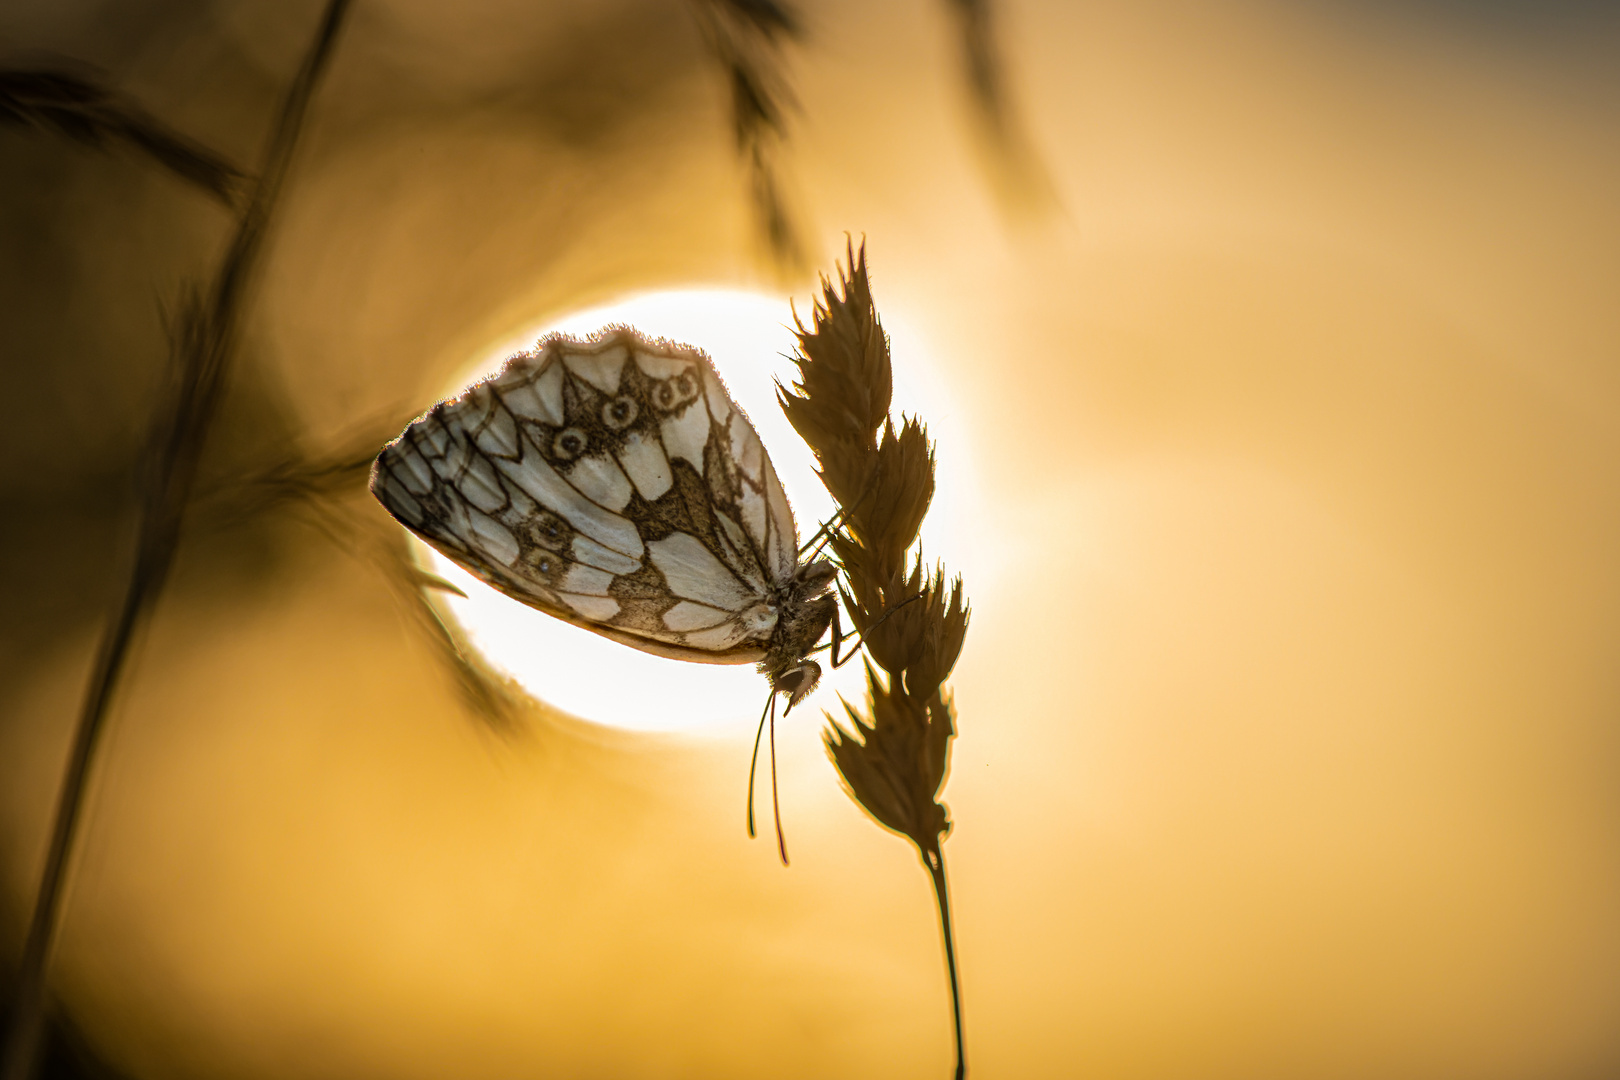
x: 934, y: 860
x: 207, y: 343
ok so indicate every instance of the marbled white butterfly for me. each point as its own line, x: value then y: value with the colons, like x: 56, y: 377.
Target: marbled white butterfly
x: 614, y: 484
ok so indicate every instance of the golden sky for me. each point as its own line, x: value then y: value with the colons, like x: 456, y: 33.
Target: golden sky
x: 1288, y: 714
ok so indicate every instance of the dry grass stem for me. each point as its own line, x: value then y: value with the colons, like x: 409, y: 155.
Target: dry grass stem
x: 895, y: 754
x: 204, y: 345
x: 95, y: 116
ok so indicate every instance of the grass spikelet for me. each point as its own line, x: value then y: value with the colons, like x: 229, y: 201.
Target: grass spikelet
x: 895, y: 754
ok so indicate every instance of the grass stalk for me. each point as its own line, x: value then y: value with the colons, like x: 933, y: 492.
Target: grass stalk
x: 934, y: 860
x: 204, y: 345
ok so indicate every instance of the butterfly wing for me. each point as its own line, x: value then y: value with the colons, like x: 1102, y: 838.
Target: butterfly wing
x: 611, y: 483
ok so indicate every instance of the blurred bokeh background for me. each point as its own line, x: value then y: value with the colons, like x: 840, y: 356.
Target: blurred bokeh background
x: 1290, y: 712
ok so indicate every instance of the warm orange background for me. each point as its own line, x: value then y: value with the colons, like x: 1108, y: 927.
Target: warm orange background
x: 1289, y: 739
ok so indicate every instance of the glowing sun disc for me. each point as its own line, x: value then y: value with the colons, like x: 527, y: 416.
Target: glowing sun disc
x: 749, y: 338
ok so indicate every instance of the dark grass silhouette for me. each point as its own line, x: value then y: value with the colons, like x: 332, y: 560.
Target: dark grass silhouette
x: 895, y: 755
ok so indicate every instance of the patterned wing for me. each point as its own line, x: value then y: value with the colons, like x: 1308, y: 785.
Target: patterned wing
x: 611, y: 483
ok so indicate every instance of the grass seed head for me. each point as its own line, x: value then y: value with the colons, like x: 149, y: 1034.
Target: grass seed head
x: 894, y: 754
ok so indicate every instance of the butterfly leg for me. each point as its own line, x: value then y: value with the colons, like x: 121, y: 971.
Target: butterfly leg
x: 824, y: 534
x: 813, y: 546
x: 838, y: 637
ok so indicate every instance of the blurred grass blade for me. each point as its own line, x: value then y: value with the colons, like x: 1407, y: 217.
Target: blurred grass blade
x: 204, y: 346
x: 323, y: 491
x: 747, y: 38
x: 95, y: 116
x: 1015, y: 170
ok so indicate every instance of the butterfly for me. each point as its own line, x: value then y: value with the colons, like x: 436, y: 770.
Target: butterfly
x: 612, y: 482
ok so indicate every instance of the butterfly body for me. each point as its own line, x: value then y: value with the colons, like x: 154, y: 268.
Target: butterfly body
x: 612, y: 483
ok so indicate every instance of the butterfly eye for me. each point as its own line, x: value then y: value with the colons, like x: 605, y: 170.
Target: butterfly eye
x: 620, y: 413
x: 797, y: 682
x: 569, y: 444
x: 685, y: 387
x: 665, y: 396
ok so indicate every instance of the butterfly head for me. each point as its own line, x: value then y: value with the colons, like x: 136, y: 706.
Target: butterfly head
x: 804, y: 615
x: 797, y: 682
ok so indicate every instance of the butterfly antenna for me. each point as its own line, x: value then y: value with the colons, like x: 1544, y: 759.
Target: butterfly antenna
x: 824, y: 534
x: 753, y: 761
x: 776, y: 807
x: 825, y: 540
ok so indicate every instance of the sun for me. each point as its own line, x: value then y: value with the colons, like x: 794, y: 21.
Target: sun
x: 749, y: 338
